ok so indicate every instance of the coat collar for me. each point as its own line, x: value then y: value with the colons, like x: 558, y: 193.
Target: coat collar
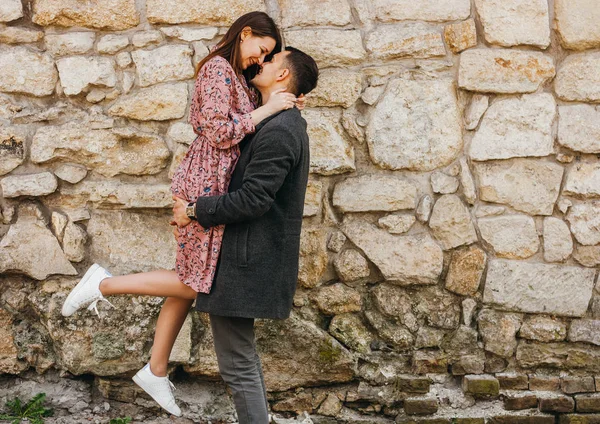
x: 266, y: 120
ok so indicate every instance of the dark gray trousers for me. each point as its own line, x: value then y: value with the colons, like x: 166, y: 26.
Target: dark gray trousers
x: 240, y: 367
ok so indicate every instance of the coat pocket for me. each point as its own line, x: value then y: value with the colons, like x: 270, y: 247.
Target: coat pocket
x: 242, y: 245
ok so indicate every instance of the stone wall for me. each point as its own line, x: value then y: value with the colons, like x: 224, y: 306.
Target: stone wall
x: 451, y: 239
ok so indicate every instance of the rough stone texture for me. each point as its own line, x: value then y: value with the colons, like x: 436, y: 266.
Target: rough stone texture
x: 428, y: 10
x: 442, y: 183
x: 403, y: 259
x: 350, y: 330
x: 543, y: 329
x: 395, y: 334
x: 514, y: 22
x: 588, y: 403
x: 465, y: 271
x: 451, y: 223
x: 112, y: 43
x: 481, y: 385
x: 336, y: 87
x: 396, y: 223
x: 558, y: 244
x: 499, y: 330
x: 513, y: 381
x: 41, y: 256
x: 18, y: 76
x: 528, y: 185
x: 125, y: 196
x: 531, y: 287
x: 189, y: 34
x: 128, y: 255
x: 70, y: 43
x: 329, y: 47
x: 146, y: 38
x: 579, y: 127
x: 583, y: 179
x: 395, y: 302
x: 10, y: 10
x: 313, y: 256
x: 16, y: 35
x: 425, y: 132
x: 587, y: 255
x: 438, y: 308
x: 520, y: 401
x: 504, y: 70
x: 579, y: 356
x: 71, y: 173
x: 107, y: 15
x: 313, y: 12
x: 160, y: 103
x: 182, y: 132
x: 467, y: 183
x: 556, y: 404
x: 511, y: 236
x: 479, y: 104
x: 73, y: 242
x: 544, y: 383
x: 461, y: 35
x: 77, y: 73
x: 29, y: 185
x: 585, y: 222
x: 585, y: 330
x: 350, y: 265
x: 416, y: 40
x: 210, y: 12
x: 516, y: 127
x: 576, y: 22
x: 108, y: 152
x: 374, y: 193
x: 424, y: 208
x: 167, y: 63
x: 576, y: 384
x: 578, y: 78
x: 12, y: 148
x: 313, y: 199
x: 338, y: 299
x: 336, y: 241
x: 330, y: 150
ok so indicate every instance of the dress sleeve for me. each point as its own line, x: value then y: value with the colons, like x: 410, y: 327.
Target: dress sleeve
x: 211, y: 112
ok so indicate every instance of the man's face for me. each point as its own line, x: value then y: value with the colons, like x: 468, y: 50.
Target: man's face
x: 270, y: 71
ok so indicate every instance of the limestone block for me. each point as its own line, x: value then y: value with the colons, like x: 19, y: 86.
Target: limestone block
x: 511, y: 236
x: 350, y: 265
x: 209, y: 12
x: 416, y: 40
x: 504, y: 70
x: 17, y: 35
x: 479, y: 104
x: 543, y: 329
x: 585, y: 222
x: 11, y: 10
x: 182, y: 132
x: 112, y: 43
x: 374, y: 193
x: 461, y: 35
x: 499, y: 330
x: 451, y: 222
x: 12, y: 148
x: 18, y: 76
x: 579, y: 127
x: 74, y: 239
x: 108, y: 14
x: 77, y: 73
x: 426, y: 10
x: 425, y: 133
x: 558, y: 244
x: 301, y: 13
x: 337, y: 299
x: 189, y: 34
x: 39, y: 184
x: 577, y: 23
x: 107, y: 194
x: 396, y: 223
x: 329, y: 47
x: 538, y: 288
x: 336, y: 87
x: 71, y: 43
x: 167, y: 63
x: 465, y: 271
x: 71, y: 172
x: 146, y: 38
x: 159, y: 103
x: 578, y: 78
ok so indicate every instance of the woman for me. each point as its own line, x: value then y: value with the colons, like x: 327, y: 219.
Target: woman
x: 223, y: 111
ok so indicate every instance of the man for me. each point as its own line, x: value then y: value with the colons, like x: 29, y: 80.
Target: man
x: 258, y: 267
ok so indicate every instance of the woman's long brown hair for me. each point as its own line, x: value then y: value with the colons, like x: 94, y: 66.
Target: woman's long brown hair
x: 262, y: 25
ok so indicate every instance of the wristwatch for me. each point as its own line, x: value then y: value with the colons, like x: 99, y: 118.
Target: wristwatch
x: 190, y: 210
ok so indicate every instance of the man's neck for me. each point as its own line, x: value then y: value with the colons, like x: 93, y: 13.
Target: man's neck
x: 266, y: 92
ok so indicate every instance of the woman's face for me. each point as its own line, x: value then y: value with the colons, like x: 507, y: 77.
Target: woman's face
x: 254, y: 49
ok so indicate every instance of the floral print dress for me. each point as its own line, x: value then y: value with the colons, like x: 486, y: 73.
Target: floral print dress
x: 220, y: 115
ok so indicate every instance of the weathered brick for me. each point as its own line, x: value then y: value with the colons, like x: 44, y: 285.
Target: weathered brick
x: 519, y: 419
x: 513, y: 381
x: 545, y: 383
x: 468, y: 421
x: 579, y: 419
x: 481, y: 385
x: 420, y: 406
x: 413, y: 384
x: 517, y: 401
x: 588, y: 403
x: 405, y: 420
x: 560, y: 404
x: 572, y: 385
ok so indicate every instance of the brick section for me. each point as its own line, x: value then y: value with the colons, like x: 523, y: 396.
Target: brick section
x: 404, y: 420
x: 513, y: 381
x: 557, y: 404
x: 513, y: 419
x: 588, y: 403
x: 571, y: 385
x: 518, y: 401
x: 412, y: 384
x: 481, y: 386
x: 420, y: 406
x: 579, y: 419
x: 545, y: 383
x: 468, y: 421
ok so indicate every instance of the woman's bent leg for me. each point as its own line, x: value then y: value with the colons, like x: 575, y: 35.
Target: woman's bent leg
x: 236, y: 354
x: 161, y: 283
x: 170, y: 320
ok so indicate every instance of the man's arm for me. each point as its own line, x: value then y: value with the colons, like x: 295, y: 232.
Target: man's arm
x: 274, y: 155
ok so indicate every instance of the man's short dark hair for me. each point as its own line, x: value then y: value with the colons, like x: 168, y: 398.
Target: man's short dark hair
x: 304, y: 71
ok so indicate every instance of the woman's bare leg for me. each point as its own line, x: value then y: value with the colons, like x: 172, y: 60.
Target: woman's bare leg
x: 170, y: 320
x: 161, y: 283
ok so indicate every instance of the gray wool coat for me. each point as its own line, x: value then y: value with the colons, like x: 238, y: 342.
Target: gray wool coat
x: 262, y: 212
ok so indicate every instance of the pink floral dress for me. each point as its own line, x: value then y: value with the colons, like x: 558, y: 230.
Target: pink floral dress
x: 220, y: 115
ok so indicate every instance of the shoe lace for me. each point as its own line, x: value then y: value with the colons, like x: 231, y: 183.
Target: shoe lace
x: 94, y: 305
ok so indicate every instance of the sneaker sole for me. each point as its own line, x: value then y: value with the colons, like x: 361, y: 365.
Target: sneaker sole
x: 137, y: 381
x: 76, y: 289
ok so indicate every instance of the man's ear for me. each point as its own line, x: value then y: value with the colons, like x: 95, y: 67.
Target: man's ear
x: 283, y: 74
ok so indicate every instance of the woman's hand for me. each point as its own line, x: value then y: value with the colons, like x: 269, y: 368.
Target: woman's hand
x: 301, y: 102
x: 180, y: 218
x: 280, y: 100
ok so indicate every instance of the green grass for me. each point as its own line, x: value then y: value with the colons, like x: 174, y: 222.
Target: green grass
x: 125, y: 420
x: 34, y: 410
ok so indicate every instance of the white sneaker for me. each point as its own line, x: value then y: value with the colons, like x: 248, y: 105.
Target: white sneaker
x: 86, y: 291
x: 159, y: 388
